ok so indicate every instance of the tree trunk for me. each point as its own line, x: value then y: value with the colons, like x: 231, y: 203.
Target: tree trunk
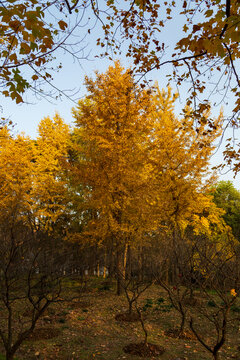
x: 167, y: 272
x: 9, y: 356
x: 129, y: 271
x: 130, y: 308
x: 105, y: 266
x: 140, y: 257
x: 125, y: 261
x: 143, y: 325
x: 182, y: 324
x: 119, y: 272
x: 98, y: 270
x: 110, y: 262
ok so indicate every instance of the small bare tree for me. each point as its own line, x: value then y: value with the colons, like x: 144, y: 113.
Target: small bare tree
x: 133, y: 289
x: 180, y: 290
x: 219, y: 285
x: 30, y: 281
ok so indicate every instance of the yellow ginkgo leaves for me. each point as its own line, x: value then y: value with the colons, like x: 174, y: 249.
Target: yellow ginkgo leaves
x: 32, y: 189
x: 140, y: 167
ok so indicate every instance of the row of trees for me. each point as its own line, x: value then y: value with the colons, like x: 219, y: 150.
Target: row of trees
x: 123, y: 189
x: 139, y: 167
x: 129, y: 169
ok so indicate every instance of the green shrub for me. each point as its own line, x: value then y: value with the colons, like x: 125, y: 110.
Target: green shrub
x: 148, y: 304
x: 160, y: 301
x: 62, y: 320
x: 211, y: 303
x: 235, y: 308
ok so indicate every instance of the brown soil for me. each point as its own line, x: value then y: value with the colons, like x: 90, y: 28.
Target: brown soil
x: 44, y: 333
x: 96, y: 331
x: 192, y: 301
x: 144, y: 350
x: 27, y: 313
x: 127, y: 317
x: 80, y: 304
x: 174, y: 333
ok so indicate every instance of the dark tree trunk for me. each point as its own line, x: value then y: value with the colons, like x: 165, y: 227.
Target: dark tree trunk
x: 119, y: 272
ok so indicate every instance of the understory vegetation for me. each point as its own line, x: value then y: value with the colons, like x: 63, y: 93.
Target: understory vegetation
x: 87, y: 328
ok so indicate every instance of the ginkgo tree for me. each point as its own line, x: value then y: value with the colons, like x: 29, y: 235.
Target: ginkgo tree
x: 110, y: 143
x: 140, y: 168
x: 33, y: 201
x: 49, y: 191
x: 180, y: 158
x: 180, y: 179
x: 16, y: 174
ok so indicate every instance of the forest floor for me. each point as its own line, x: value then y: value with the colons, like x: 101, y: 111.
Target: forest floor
x: 86, y: 329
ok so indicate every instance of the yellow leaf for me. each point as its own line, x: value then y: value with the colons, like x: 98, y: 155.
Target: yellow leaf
x: 233, y: 292
x: 34, y: 77
x: 26, y: 48
x: 62, y: 24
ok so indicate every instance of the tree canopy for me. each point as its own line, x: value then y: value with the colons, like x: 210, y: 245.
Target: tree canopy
x: 139, y: 167
x: 207, y: 50
x: 32, y: 190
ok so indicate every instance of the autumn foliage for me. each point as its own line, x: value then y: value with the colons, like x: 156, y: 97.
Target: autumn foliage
x: 140, y: 167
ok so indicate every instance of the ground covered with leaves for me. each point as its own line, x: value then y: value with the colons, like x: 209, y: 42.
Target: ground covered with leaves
x: 87, y: 328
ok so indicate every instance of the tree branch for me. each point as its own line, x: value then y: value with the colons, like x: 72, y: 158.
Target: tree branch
x: 232, y: 63
x: 71, y: 8
x: 228, y: 6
